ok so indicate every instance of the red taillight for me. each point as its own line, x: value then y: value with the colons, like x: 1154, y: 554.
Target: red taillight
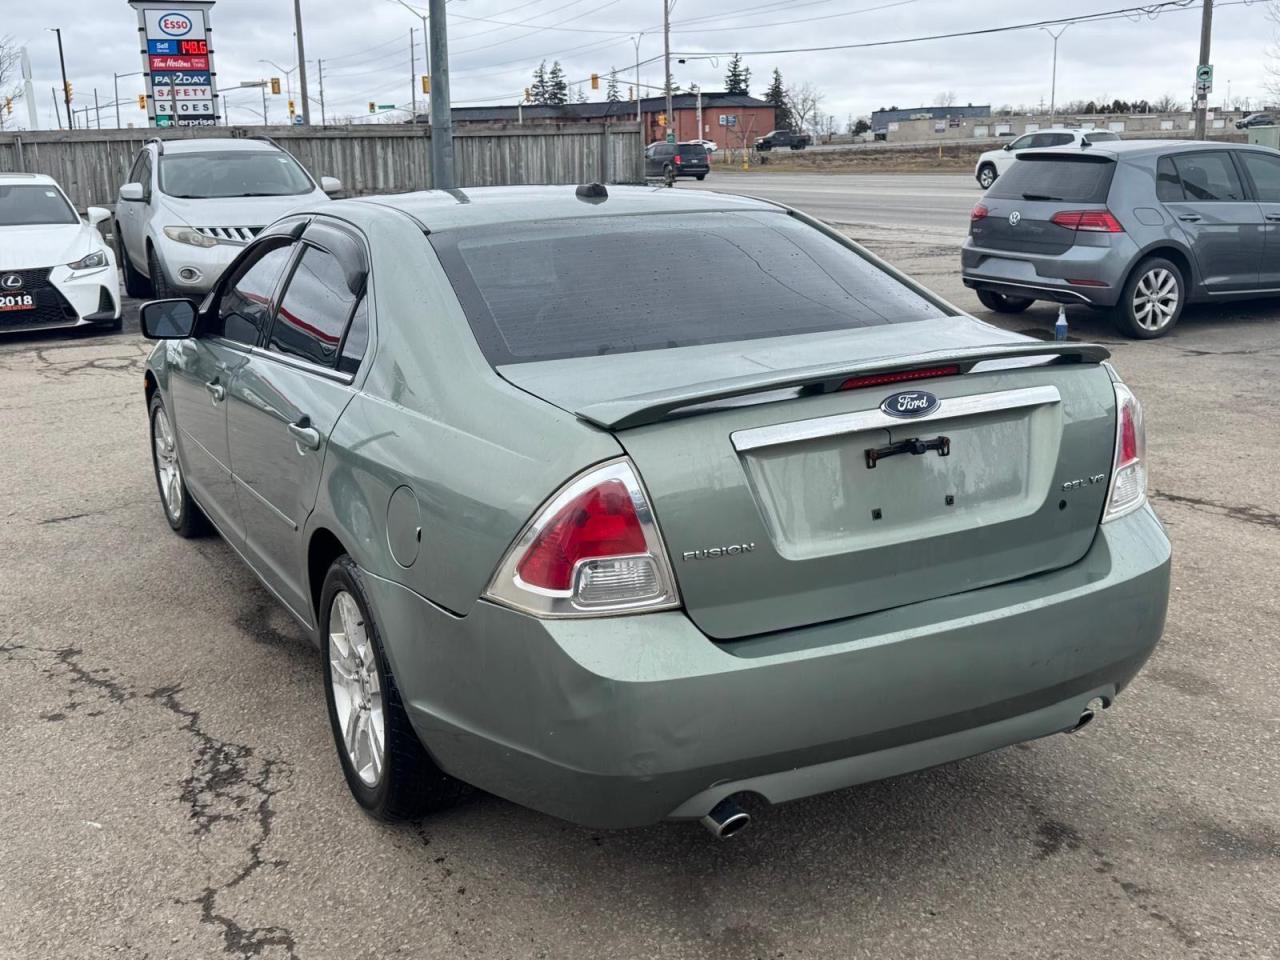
x: 601, y: 522
x: 979, y: 211
x: 677, y: 159
x: 880, y: 379
x: 1128, y: 490
x: 1091, y: 221
x: 1128, y: 442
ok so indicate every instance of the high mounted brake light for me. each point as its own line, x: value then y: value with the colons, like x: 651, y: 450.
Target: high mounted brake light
x: 592, y: 549
x: 902, y: 376
x: 1128, y: 489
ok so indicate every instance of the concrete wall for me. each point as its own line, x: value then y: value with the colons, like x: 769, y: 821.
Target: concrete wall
x: 92, y: 164
x: 970, y: 128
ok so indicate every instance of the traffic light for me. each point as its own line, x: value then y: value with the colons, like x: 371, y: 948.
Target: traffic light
x: 662, y: 119
x: 275, y: 86
x: 528, y: 95
x: 142, y: 101
x: 631, y: 92
x: 426, y: 83
x: 291, y: 108
x: 373, y: 107
x: 595, y: 81
x: 69, y: 92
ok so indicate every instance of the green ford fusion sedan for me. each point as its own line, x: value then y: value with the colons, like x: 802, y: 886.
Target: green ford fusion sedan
x: 627, y: 504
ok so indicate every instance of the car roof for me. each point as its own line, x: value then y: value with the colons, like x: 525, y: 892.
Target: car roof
x: 1135, y: 149
x: 218, y: 144
x: 10, y: 179
x: 483, y: 206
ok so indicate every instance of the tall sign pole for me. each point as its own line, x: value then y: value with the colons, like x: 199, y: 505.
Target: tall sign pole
x: 175, y: 40
x: 1204, y: 71
x: 666, y: 66
x: 441, y: 118
x: 302, y: 64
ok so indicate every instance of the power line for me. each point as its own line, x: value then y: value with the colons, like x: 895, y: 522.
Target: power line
x: 787, y: 23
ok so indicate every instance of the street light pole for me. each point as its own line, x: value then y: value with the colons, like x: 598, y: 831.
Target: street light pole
x: 413, y: 77
x: 666, y: 60
x: 1053, y: 83
x: 302, y: 63
x: 66, y: 89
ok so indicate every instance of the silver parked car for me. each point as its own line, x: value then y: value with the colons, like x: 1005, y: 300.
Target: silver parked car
x: 191, y: 206
x: 1142, y: 227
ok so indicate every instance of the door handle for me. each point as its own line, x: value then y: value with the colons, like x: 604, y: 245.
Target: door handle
x: 1189, y: 217
x: 216, y: 390
x: 1273, y: 217
x: 306, y: 435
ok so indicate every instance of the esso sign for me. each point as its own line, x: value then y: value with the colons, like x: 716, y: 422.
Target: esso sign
x: 175, y: 24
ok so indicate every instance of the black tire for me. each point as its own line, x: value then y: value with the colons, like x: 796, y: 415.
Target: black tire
x: 185, y: 516
x: 1003, y: 303
x: 987, y: 176
x: 410, y: 785
x: 160, y: 286
x: 764, y: 147
x: 135, y: 284
x: 702, y: 176
x: 1148, y: 280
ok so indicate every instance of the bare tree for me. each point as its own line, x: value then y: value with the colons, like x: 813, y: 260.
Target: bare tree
x: 945, y: 99
x: 1272, y: 53
x: 10, y: 85
x: 805, y: 103
x: 1166, y: 103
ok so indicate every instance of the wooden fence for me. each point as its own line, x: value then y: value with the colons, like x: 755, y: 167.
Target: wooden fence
x: 92, y: 164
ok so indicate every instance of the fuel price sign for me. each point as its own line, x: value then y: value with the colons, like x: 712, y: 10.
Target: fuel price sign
x: 177, y: 60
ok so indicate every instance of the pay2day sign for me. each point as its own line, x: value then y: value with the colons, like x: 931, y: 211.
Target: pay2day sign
x: 177, y: 59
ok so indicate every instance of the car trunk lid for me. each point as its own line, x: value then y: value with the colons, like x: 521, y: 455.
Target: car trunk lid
x: 1017, y: 212
x: 775, y: 516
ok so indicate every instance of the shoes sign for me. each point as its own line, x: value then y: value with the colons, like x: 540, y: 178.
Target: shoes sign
x: 177, y: 62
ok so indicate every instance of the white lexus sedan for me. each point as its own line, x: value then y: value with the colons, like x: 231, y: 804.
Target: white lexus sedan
x: 55, y: 269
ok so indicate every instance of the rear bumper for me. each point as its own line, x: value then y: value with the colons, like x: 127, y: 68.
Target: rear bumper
x: 625, y: 721
x: 1049, y: 277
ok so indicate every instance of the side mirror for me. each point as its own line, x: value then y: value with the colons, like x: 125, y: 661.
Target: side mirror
x: 168, y: 319
x: 132, y: 192
x: 96, y: 215
x: 331, y: 185
x: 1007, y: 146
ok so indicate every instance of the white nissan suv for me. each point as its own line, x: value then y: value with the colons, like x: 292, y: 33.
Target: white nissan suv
x: 995, y: 163
x: 191, y: 205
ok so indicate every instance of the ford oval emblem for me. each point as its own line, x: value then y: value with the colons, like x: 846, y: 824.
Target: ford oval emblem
x: 910, y: 403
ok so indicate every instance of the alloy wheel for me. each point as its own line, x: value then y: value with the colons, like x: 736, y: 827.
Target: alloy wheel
x: 168, y: 469
x: 1155, y: 299
x: 357, y: 693
x: 986, y: 178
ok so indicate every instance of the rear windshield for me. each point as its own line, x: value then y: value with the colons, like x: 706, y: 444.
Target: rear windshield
x: 1055, y: 177
x: 694, y: 151
x: 602, y: 285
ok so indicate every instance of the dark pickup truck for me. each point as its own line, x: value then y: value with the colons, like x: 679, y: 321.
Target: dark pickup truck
x: 783, y: 138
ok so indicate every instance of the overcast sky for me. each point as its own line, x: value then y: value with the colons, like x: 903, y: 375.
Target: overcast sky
x: 365, y: 48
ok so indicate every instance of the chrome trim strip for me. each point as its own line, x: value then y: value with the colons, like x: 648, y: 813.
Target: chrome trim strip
x: 948, y: 408
x: 304, y: 365
x: 1029, y: 286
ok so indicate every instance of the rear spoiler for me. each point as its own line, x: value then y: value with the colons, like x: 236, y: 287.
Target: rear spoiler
x: 642, y: 408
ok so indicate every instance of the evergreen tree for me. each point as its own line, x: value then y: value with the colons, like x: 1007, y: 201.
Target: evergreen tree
x: 557, y: 86
x: 738, y: 79
x: 777, y: 95
x: 538, y: 89
x: 611, y: 91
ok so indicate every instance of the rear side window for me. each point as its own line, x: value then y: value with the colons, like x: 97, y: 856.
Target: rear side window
x: 314, y: 311
x: 1168, y: 186
x: 1264, y: 170
x: 601, y: 285
x: 1208, y: 176
x: 1056, y: 177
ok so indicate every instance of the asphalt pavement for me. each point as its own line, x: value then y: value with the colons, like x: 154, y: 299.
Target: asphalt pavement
x: 170, y: 788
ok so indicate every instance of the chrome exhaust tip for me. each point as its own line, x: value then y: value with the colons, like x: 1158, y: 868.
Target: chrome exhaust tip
x: 1091, y: 710
x: 725, y: 819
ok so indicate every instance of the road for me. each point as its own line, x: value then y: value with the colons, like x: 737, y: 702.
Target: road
x: 170, y: 789
x: 938, y: 204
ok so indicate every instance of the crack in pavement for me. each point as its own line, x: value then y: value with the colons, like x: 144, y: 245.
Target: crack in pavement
x: 229, y: 783
x: 1248, y: 513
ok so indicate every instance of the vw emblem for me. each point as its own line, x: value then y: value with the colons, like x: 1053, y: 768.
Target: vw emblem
x: 910, y: 403
x: 1014, y: 218
x: 11, y: 281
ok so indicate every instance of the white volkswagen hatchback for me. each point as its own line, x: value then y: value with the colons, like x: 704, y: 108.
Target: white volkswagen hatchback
x: 993, y: 164
x: 55, y: 269
x: 190, y: 206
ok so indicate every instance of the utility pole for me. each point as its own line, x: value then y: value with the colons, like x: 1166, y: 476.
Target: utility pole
x: 302, y: 64
x: 413, y: 76
x: 666, y: 61
x: 115, y: 91
x: 66, y: 87
x: 96, y: 109
x: 1206, y: 32
x: 320, y: 71
x: 57, y: 115
x: 441, y: 118
x: 636, y: 41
